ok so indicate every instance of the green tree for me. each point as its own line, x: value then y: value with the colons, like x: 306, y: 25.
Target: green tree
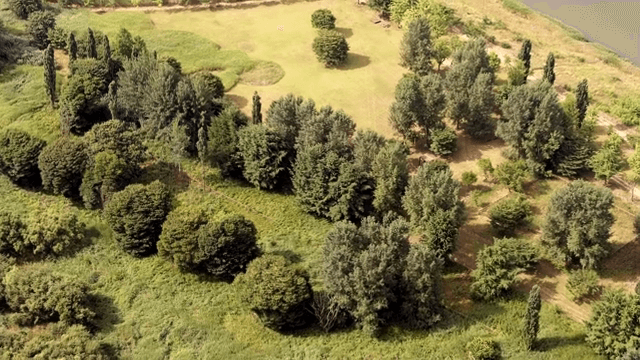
x: 222, y: 149
x: 73, y: 48
x: 415, y: 50
x: 12, y: 231
x: 430, y: 119
x: 441, y: 50
x: 38, y: 26
x: 486, y: 167
x: 432, y: 202
x: 512, y: 174
x: 136, y: 215
x: 549, y: 69
x: 578, y: 223
x: 256, y: 114
x: 532, y: 318
x: 23, y: 8
x: 287, y: 114
x: 112, y: 97
x: 62, y: 164
x: 380, y: 5
x: 92, y: 51
x: 517, y: 73
x: 582, y: 100
x: 178, y: 242
x: 50, y: 75
x: 19, y: 153
x: 124, y: 44
x: 481, y: 103
x: 494, y: 61
x: 444, y: 141
x: 366, y: 146
x: 52, y: 232
x: 510, y: 213
x: 330, y: 47
x: 609, y: 160
x: 323, y: 19
x: 422, y: 304
x: 525, y: 56
x: 634, y: 163
x: 611, y: 329
x: 264, y: 155
x: 276, y: 291
x: 410, y: 108
x: 391, y: 173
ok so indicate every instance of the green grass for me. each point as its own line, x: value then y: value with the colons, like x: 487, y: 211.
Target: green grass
x: 516, y: 7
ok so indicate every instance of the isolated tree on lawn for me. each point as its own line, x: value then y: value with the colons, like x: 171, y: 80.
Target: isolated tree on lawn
x: 409, y: 107
x: 549, y: 69
x: 578, y: 223
x: 582, y: 100
x: 609, y: 160
x: 73, y: 47
x: 330, y: 47
x: 525, y: 55
x: 532, y: 318
x: 92, y: 51
x: 50, y: 74
x: 256, y: 114
x: 415, y: 50
x: 323, y: 19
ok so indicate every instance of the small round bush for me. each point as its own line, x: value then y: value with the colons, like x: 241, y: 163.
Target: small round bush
x: 178, y: 241
x: 22, y: 8
x: 52, y: 232
x: 62, y: 164
x: 323, y: 19
x: 42, y: 296
x: 19, y: 153
x: 443, y: 141
x: 58, y: 37
x: 482, y: 349
x: 508, y: 214
x: 469, y: 178
x: 331, y: 48
x: 12, y: 231
x: 583, y: 283
x: 136, y: 215
x: 276, y: 291
x: 211, y: 84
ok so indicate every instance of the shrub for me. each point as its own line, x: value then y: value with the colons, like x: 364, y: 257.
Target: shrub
x: 508, y: 214
x: 42, y: 296
x: 222, y: 148
x: 22, y: 8
x: 276, y: 291
x: 486, y: 167
x: 627, y: 109
x: 59, y: 342
x: 469, y: 178
x: 482, y: 349
x: 330, y: 48
x: 178, y: 241
x: 136, y: 215
x: 58, y: 37
x: 494, y: 61
x: 323, y: 19
x: 12, y: 231
x: 443, y: 141
x: 53, y: 232
x: 264, y: 154
x: 583, y: 283
x: 512, y: 174
x: 19, y: 153
x: 40, y: 22
x: 328, y: 313
x: 62, y: 164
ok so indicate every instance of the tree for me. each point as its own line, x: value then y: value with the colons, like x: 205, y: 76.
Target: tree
x: 276, y: 291
x: 609, y: 160
x: 366, y: 146
x: 512, y: 174
x: 50, y: 75
x: 525, y: 56
x: 92, y: 51
x: 323, y: 19
x: 363, y: 268
x: 286, y: 115
x: 578, y: 223
x: 486, y: 167
x: 582, y: 100
x: 532, y: 318
x: 19, y: 153
x: 23, y: 8
x: 415, y: 50
x: 611, y: 329
x: 517, y: 73
x: 256, y: 114
x: 498, y: 265
x: 432, y: 92
x: 432, y: 202
x: 178, y: 242
x: 391, y: 173
x: 422, y: 305
x: 409, y: 108
x: 331, y: 48
x: 549, y: 72
x: 441, y: 50
x: 61, y: 165
x: 201, y: 145
x: 136, y: 215
x: 494, y: 61
x: 508, y: 214
x: 40, y: 22
x: 52, y: 232
x: 222, y: 148
x: 634, y: 163
x: 112, y: 97
x: 481, y: 103
x: 380, y: 5
x: 443, y: 141
x: 264, y: 154
x: 73, y: 48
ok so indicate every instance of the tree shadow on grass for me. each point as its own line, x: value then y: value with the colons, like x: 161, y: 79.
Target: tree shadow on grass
x: 552, y: 342
x: 355, y: 61
x: 239, y: 101
x: 107, y: 313
x: 167, y: 173
x: 347, y: 33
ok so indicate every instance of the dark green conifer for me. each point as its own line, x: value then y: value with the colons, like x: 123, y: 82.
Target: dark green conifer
x: 50, y: 74
x: 532, y: 318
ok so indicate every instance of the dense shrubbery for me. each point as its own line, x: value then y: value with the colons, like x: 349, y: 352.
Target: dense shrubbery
x: 22, y: 8
x: 508, y: 214
x: 611, y: 331
x: 265, y: 157
x: 19, y: 153
x: 39, y: 25
x: 498, y: 265
x: 136, y: 215
x: 12, y: 231
x: 330, y: 47
x: 443, y: 141
x: 482, y: 349
x: 277, y: 292
x: 323, y: 19
x: 222, y: 149
x: 62, y: 164
x: 53, y: 232
x: 583, y: 283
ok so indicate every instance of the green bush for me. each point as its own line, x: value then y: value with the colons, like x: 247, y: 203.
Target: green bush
x: 19, y: 153
x: 494, y: 61
x: 627, y: 109
x: 57, y: 341
x: 613, y: 324
x: 58, y: 37
x: 443, y: 141
x: 62, y: 164
x: 482, y: 349
x: 583, y: 283
x: 330, y: 48
x: 53, y: 232
x: 222, y: 148
x: 469, y: 178
x: 178, y: 241
x: 22, y: 8
x: 12, y: 231
x: 39, y: 25
x: 323, y: 19
x: 40, y: 296
x: 136, y: 215
x: 508, y: 214
x: 277, y: 292
x: 264, y: 154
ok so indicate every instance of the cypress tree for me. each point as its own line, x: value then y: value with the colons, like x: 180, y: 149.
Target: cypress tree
x: 73, y: 48
x: 50, y: 75
x: 582, y: 100
x: 107, y: 50
x: 113, y: 99
x: 532, y: 317
x: 549, y: 73
x: 257, y: 106
x: 92, y: 52
x: 201, y: 145
x: 525, y: 55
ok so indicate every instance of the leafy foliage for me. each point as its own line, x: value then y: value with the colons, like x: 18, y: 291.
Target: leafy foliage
x: 578, y: 223
x: 609, y: 160
x: 323, y: 19
x: 583, y: 283
x: 62, y: 164
x: 264, y: 155
x: 512, y: 174
x: 256, y: 111
x: 50, y: 74
x: 611, y: 329
x: 444, y: 141
x: 178, y: 241
x: 276, y: 291
x: 328, y: 313
x: 582, y: 100
x: 517, y: 73
x: 549, y: 69
x: 52, y: 232
x: 391, y: 173
x: 415, y: 50
x: 525, y: 56
x: 422, y: 303
x: 532, y: 318
x: 482, y: 349
x: 469, y: 178
x: 12, y: 231
x: 508, y: 214
x: 38, y: 26
x: 23, y: 8
x: 222, y: 148
x: 330, y: 47
x: 19, y: 153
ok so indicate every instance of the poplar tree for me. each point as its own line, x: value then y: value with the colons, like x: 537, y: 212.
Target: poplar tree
x: 113, y: 99
x: 73, y: 48
x: 415, y: 51
x: 50, y: 74
x: 525, y: 55
x: 257, y: 109
x: 92, y: 52
x: 532, y: 318
x: 549, y: 72
x: 582, y: 100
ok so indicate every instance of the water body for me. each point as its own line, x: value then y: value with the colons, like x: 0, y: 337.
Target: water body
x: 615, y: 24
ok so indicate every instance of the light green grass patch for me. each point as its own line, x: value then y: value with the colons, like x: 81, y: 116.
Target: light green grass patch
x: 516, y: 7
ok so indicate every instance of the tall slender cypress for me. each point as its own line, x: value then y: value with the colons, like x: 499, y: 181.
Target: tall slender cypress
x: 525, y: 55
x: 73, y: 48
x: 107, y: 57
x: 532, y: 318
x: 50, y: 74
x: 92, y: 52
x: 113, y: 99
x: 201, y: 145
x: 582, y: 100
x: 549, y: 69
x: 257, y: 106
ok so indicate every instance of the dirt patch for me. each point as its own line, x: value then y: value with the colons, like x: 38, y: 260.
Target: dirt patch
x: 62, y: 61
